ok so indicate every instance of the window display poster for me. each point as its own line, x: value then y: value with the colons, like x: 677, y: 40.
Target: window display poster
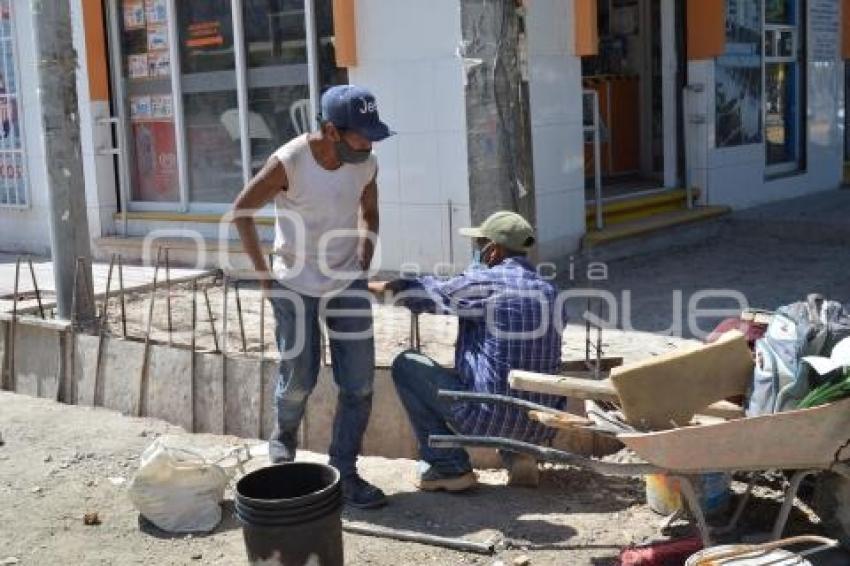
x: 157, y: 37
x: 140, y: 108
x: 156, y: 162
x: 156, y: 11
x: 825, y: 29
x: 162, y: 107
x: 159, y: 64
x: 134, y: 14
x: 137, y: 66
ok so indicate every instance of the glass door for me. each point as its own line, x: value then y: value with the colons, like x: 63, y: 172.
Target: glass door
x: 210, y: 102
x: 783, y: 86
x: 278, y: 89
x: 206, y: 90
x: 143, y: 81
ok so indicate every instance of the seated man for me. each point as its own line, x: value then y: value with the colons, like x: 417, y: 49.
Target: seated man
x: 507, y: 321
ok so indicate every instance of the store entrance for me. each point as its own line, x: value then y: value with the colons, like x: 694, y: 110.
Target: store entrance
x: 637, y: 78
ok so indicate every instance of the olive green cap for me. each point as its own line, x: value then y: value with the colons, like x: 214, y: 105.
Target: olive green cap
x: 506, y: 228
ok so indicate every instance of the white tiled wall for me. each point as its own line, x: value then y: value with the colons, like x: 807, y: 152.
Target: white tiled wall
x: 407, y: 56
x: 555, y: 89
x: 28, y: 230
x: 736, y: 176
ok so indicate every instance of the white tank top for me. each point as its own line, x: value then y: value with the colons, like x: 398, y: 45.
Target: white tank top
x: 316, y: 221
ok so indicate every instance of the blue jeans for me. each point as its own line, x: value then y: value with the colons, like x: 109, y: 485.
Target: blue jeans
x: 418, y: 378
x: 348, y: 317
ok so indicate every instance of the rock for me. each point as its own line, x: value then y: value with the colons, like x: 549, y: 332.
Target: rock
x: 117, y: 481
x: 91, y: 519
x: 522, y: 560
x: 48, y: 458
x: 36, y: 490
x: 197, y: 556
x: 10, y: 561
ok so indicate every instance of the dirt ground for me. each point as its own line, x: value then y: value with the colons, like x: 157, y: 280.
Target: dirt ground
x: 59, y: 462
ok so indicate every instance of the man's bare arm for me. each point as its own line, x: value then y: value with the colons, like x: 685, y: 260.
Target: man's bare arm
x: 370, y: 222
x: 257, y: 193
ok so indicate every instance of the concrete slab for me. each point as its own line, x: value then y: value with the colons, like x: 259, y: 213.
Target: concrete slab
x: 270, y: 378
x: 241, y: 394
x: 389, y: 433
x: 169, y: 391
x: 209, y: 393
x: 38, y: 361
x: 85, y: 369
x: 121, y: 368
x: 3, y: 349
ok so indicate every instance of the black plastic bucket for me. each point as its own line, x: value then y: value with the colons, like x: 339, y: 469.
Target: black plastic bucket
x: 291, y: 514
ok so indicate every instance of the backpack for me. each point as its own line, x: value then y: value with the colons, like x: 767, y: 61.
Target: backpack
x: 808, y: 328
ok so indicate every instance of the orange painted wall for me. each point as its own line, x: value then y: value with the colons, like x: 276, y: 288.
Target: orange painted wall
x: 586, y: 27
x: 96, y: 53
x: 706, y: 28
x: 345, y: 33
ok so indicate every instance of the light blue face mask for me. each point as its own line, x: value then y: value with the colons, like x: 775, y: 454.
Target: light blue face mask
x: 478, y: 256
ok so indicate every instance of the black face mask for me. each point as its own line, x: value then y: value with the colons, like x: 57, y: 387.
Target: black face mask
x: 348, y: 154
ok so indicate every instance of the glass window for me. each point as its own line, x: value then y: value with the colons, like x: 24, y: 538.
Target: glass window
x: 146, y: 73
x: 739, y: 76
x: 278, y: 86
x: 277, y: 80
x: 13, y: 182
x: 783, y: 86
x: 780, y: 12
x: 210, y: 104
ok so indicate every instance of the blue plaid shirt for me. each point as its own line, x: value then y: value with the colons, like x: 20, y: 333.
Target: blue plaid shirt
x: 506, y: 320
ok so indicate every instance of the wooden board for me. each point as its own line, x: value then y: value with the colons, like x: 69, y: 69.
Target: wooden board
x: 807, y: 438
x: 565, y: 385
x: 666, y: 391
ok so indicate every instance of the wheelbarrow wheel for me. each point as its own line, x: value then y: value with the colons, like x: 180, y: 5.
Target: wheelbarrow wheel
x: 832, y: 504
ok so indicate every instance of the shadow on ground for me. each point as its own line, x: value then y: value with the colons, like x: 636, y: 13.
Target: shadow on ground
x: 538, y: 519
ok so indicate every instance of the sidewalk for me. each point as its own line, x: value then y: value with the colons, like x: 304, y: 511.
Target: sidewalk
x: 135, y: 277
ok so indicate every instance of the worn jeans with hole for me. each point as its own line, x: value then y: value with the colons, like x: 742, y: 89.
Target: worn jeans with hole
x: 348, y: 318
x: 417, y: 379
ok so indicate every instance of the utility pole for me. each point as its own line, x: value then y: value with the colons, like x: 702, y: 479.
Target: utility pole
x: 57, y: 93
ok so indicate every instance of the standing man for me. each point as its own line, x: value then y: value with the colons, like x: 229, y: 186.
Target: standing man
x: 508, y: 318
x: 325, y: 194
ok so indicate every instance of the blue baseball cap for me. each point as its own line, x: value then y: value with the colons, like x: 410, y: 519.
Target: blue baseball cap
x: 354, y: 108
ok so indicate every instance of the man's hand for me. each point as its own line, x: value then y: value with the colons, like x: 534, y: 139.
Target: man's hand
x: 378, y: 287
x: 386, y: 287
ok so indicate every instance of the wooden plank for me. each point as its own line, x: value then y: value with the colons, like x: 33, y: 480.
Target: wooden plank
x: 807, y: 438
x: 563, y: 421
x: 564, y: 385
x: 666, y: 391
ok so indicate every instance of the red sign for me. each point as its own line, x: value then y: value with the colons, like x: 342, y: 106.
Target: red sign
x: 156, y: 162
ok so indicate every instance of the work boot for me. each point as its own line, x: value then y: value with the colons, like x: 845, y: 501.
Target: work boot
x: 523, y: 470
x: 433, y: 480
x: 281, y: 447
x: 359, y: 493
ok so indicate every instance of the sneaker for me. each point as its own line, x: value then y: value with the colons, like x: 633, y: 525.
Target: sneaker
x: 432, y: 480
x: 281, y: 448
x: 359, y: 493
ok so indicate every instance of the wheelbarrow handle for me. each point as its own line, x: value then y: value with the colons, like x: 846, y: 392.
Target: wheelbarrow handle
x: 543, y: 454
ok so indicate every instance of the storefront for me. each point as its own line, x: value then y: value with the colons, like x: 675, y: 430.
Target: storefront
x: 206, y: 90
x: 14, y: 191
